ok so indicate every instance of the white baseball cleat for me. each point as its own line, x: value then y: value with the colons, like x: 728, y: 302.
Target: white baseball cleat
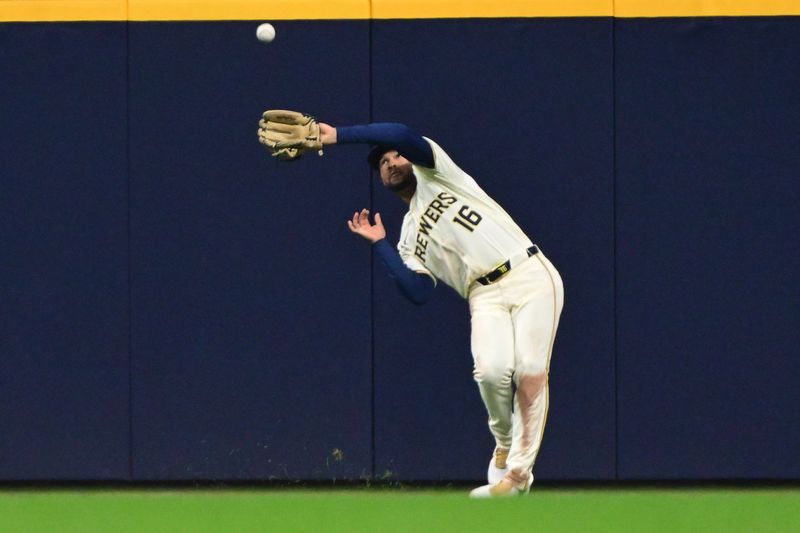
x: 502, y: 489
x: 497, y: 466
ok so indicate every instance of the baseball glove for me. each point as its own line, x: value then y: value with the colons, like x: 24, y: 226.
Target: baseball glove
x: 288, y: 134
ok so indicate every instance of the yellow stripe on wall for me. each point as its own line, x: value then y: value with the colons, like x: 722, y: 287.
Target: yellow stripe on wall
x: 142, y: 10
x: 425, y: 9
x: 705, y: 8
x: 54, y: 10
x: 248, y: 9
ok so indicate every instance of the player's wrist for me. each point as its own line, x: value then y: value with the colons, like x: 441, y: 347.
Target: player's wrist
x: 327, y: 134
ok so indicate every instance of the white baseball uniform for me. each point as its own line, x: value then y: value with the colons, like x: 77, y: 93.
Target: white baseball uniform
x: 456, y: 233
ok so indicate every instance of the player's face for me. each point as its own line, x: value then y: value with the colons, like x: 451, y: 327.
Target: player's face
x: 396, y: 171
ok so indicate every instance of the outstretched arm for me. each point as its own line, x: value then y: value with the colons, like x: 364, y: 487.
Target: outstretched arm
x: 406, y: 141
x: 415, y: 286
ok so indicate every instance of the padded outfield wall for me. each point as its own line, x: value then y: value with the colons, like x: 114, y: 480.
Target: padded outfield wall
x: 174, y: 305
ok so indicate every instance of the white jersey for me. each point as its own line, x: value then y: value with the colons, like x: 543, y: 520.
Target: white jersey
x: 453, y: 230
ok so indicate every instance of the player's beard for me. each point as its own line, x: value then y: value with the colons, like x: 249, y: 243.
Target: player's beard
x: 408, y: 180
x: 402, y: 185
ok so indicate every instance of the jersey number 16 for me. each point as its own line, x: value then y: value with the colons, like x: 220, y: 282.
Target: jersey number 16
x: 468, y: 218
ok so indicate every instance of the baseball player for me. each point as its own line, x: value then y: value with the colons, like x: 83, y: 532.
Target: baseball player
x: 455, y: 233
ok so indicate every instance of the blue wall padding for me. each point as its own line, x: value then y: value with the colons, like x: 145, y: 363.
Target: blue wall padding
x: 63, y: 252
x: 251, y: 306
x: 524, y: 106
x: 708, y: 138
x: 176, y: 305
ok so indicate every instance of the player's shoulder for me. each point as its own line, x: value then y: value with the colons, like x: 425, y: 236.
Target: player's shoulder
x: 441, y: 159
x: 434, y: 146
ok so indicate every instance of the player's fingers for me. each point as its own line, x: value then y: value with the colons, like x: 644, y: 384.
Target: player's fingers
x: 378, y: 221
x: 363, y: 217
x: 355, y: 218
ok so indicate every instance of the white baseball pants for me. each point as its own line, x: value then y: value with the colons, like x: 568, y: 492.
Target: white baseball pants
x: 514, y: 323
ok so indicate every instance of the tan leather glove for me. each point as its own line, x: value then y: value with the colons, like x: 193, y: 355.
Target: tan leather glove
x: 288, y: 134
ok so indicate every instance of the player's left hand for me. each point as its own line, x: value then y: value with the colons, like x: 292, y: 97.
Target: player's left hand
x: 360, y: 225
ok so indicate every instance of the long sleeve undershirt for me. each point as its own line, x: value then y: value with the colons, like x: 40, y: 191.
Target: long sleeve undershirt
x: 414, y: 286
x: 406, y: 141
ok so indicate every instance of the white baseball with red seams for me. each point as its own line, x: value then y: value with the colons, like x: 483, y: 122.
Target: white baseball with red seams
x: 456, y: 233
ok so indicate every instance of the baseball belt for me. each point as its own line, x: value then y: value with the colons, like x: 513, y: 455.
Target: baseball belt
x: 503, y: 268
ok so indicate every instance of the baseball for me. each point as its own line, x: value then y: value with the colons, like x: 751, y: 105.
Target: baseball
x: 266, y: 33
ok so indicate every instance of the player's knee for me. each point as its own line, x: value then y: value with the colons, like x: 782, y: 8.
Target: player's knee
x: 494, y: 375
x: 531, y: 384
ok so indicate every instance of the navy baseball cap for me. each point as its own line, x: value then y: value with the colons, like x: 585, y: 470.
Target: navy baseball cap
x: 376, y: 153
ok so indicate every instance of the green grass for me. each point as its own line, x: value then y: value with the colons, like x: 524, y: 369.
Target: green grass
x: 382, y: 509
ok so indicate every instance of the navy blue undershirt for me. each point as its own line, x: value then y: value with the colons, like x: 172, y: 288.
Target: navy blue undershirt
x: 400, y: 137
x: 413, y: 285
x: 411, y: 145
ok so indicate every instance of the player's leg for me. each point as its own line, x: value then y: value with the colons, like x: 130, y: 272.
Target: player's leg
x: 535, y: 323
x: 492, y: 341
